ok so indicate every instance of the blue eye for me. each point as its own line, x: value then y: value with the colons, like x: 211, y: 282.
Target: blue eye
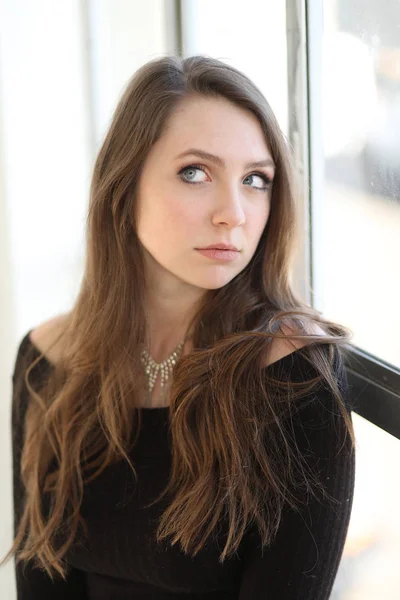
x: 263, y: 177
x: 188, y: 174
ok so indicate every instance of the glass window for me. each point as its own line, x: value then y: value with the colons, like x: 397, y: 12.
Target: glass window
x: 369, y: 566
x: 361, y: 133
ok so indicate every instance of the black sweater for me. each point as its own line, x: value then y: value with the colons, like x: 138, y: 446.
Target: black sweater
x: 120, y: 559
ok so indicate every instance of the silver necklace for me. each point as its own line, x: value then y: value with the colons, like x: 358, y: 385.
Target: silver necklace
x: 152, y: 369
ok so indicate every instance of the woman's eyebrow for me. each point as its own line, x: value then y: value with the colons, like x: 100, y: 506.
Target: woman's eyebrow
x: 267, y: 162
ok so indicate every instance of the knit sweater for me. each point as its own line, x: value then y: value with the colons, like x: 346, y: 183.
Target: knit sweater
x: 120, y: 559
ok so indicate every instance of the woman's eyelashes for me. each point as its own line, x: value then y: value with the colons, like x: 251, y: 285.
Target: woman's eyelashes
x: 263, y: 178
x: 188, y: 175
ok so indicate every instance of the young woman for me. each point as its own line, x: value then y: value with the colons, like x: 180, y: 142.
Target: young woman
x: 185, y: 430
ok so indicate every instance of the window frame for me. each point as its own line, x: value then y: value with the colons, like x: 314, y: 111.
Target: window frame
x: 374, y: 384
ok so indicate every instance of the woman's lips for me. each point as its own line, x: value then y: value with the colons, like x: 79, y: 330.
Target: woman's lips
x: 216, y: 254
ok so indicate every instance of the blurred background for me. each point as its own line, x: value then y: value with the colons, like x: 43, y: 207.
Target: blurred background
x: 63, y: 67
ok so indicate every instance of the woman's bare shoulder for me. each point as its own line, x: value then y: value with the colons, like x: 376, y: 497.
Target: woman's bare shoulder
x: 45, y: 337
x: 281, y: 347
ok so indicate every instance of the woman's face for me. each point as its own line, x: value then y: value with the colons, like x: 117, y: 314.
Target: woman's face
x: 199, y: 187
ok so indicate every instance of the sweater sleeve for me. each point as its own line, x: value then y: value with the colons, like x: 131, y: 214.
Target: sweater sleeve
x: 33, y: 583
x: 303, y: 559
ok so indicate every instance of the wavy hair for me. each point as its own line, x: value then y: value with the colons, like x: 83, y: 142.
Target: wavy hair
x: 224, y: 404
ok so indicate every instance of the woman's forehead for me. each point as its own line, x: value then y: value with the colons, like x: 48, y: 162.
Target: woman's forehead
x: 217, y: 126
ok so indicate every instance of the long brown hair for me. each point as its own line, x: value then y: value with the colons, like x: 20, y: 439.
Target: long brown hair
x: 82, y: 418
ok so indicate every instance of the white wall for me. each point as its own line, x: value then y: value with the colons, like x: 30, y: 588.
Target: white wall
x: 250, y: 36
x: 45, y: 158
x: 62, y: 67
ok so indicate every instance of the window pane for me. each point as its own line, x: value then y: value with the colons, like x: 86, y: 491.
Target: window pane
x: 369, y: 569
x: 361, y: 131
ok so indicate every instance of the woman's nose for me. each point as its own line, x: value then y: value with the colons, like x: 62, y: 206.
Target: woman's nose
x: 229, y: 208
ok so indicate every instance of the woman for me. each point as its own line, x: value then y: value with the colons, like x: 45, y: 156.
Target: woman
x: 184, y: 431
